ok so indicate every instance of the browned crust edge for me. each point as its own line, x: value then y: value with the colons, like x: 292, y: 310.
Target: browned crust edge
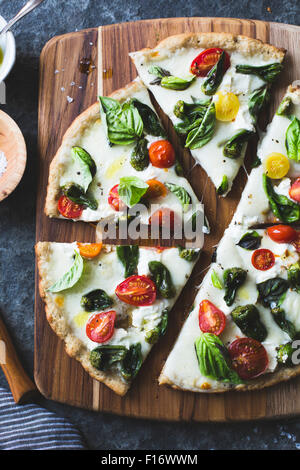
x: 73, y: 346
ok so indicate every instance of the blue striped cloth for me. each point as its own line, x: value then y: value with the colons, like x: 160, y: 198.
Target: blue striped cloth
x: 29, y: 427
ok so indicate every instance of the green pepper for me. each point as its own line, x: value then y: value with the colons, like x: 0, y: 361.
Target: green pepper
x: 233, y: 278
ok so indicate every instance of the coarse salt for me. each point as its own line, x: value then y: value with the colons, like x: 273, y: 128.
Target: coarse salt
x: 3, y: 163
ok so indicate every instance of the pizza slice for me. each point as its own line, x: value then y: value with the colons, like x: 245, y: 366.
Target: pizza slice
x: 212, y: 86
x: 114, y: 156
x: 242, y: 331
x: 111, y: 304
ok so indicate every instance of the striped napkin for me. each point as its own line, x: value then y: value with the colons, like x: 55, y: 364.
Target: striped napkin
x: 29, y: 427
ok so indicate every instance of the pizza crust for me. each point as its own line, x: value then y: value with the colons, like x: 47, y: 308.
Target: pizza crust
x: 73, y: 346
x: 230, y: 42
x: 70, y: 139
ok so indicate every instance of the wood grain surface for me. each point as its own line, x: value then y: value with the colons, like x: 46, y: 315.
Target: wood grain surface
x: 62, y: 379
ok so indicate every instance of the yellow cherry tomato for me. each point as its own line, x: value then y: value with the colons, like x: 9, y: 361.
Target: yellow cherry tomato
x: 227, y: 106
x: 276, y: 165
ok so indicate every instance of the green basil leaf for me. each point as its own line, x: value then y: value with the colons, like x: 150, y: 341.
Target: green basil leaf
x: 129, y: 257
x: 131, y: 189
x: 216, y: 281
x: 84, y: 156
x: 132, y: 362
x: 104, y: 357
x: 247, y: 318
x: 83, y: 175
x: 77, y: 194
x: 292, y: 140
x: 213, y: 359
x: 150, y: 119
x: 284, y: 109
x: 268, y: 73
x: 109, y: 105
x: 272, y: 292
x: 200, y: 136
x: 162, y: 279
x: 282, y: 207
x: 233, y: 279
x: 96, y: 300
x: 176, y: 83
x: 284, y: 354
x: 158, y: 71
x: 181, y: 194
x: 250, y: 241
x: 71, y: 277
x: 223, y: 188
x: 234, y: 146
x: 294, y: 277
x: 214, y: 77
x: 280, y: 318
x: 257, y: 101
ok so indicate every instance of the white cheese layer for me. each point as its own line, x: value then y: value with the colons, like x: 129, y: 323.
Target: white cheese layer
x: 210, y: 156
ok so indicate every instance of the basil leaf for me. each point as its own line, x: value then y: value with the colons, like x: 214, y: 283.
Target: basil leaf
x: 294, y: 277
x: 158, y: 71
x: 272, y: 291
x: 284, y: 354
x: 233, y: 279
x: 176, y: 83
x: 281, y: 206
x: 285, y: 107
x: 234, y: 146
x: 292, y: 140
x: 223, y: 188
x: 152, y: 336
x: 214, y: 77
x: 96, y: 300
x: 150, y: 119
x: 104, y: 357
x: 201, y: 135
x: 83, y: 175
x: 129, y: 257
x: 268, y: 73
x: 191, y: 111
x: 250, y: 241
x: 181, y: 194
x: 213, y: 359
x: 162, y: 279
x: 216, y: 280
x: 139, y: 159
x: 109, y: 105
x: 257, y: 101
x: 84, y: 156
x: 280, y: 318
x: 77, y: 194
x: 124, y: 123
x: 247, y: 318
x: 71, y: 277
x: 132, y: 362
x: 188, y: 253
x: 131, y: 189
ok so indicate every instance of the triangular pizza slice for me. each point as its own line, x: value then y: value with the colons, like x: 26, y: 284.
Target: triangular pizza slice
x: 244, y: 329
x: 212, y: 86
x: 111, y: 304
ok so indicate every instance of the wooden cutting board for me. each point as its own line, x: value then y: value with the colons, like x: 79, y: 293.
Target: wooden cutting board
x: 64, y: 93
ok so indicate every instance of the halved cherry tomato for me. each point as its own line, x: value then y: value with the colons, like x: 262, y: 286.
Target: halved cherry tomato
x: 296, y: 243
x: 249, y: 357
x: 90, y: 250
x: 114, y: 199
x: 164, y: 217
x: 294, y: 191
x: 276, y: 165
x: 282, y: 233
x: 211, y: 319
x: 263, y: 259
x: 162, y: 154
x: 227, y: 106
x: 205, y: 61
x: 100, y: 326
x: 68, y: 208
x: 137, y: 290
x: 156, y: 189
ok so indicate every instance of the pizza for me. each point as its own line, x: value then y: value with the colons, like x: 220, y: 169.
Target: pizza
x: 212, y: 86
x: 240, y: 332
x: 111, y: 304
x: 114, y: 156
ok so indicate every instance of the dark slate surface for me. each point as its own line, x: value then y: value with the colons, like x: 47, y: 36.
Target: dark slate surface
x: 17, y: 218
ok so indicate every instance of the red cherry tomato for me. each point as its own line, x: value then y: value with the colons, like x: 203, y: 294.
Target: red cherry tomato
x: 68, y: 208
x: 282, y: 233
x: 294, y: 191
x: 205, y: 61
x: 249, y: 357
x: 114, y: 199
x: 162, y: 154
x: 164, y: 217
x: 211, y: 319
x: 100, y: 326
x: 263, y: 259
x: 296, y: 243
x: 137, y: 290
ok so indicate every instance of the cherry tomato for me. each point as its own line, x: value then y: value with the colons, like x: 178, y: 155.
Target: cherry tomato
x: 100, y: 326
x: 263, y: 259
x: 90, y: 250
x: 164, y: 217
x: 162, y: 154
x: 249, y: 357
x: 114, y: 199
x: 282, y: 233
x: 137, y: 290
x: 276, y: 165
x: 68, y: 208
x: 211, y: 319
x: 205, y: 61
x: 294, y: 191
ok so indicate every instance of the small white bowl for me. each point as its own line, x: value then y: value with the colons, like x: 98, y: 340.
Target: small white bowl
x: 8, y: 46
